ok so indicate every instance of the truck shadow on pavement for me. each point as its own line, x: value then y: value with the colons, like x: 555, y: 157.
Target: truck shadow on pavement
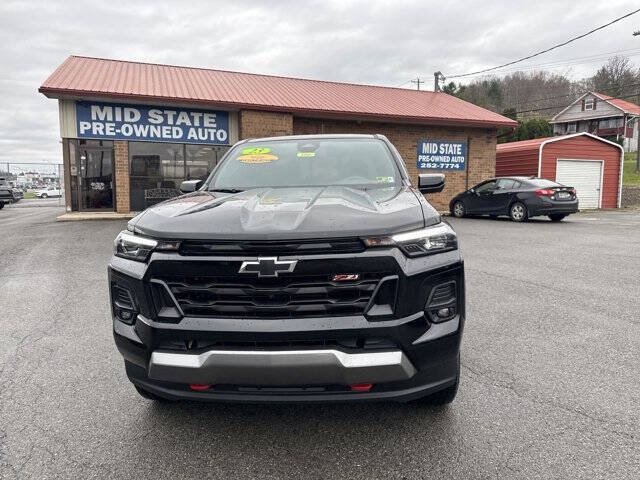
x: 273, y: 439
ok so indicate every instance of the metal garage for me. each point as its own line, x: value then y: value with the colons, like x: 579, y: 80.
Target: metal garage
x: 590, y: 164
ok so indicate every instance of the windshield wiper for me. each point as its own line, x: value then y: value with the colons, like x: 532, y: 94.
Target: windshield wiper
x: 226, y: 190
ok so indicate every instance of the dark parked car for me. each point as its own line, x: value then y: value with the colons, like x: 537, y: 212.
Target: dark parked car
x: 518, y: 197
x: 304, y: 269
x: 6, y: 193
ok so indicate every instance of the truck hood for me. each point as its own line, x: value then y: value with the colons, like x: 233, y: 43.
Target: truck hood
x: 285, y: 213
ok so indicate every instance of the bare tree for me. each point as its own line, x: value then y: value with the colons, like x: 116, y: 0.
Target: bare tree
x: 616, y: 78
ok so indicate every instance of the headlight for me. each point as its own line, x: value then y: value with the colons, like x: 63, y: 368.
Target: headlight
x: 136, y: 247
x: 426, y: 241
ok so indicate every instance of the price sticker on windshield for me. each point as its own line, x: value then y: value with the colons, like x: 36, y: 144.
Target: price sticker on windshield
x: 256, y: 155
x: 441, y: 155
x: 257, y: 158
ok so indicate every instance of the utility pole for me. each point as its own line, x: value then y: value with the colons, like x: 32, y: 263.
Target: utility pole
x: 417, y: 81
x: 637, y: 125
x: 437, y: 76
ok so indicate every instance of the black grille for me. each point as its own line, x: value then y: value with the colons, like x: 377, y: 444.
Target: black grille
x: 293, y: 296
x: 274, y: 248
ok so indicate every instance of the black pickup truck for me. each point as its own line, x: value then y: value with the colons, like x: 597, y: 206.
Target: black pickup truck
x: 6, y: 193
x: 304, y: 269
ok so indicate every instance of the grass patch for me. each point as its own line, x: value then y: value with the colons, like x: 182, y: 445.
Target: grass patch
x: 629, y: 174
x: 29, y: 195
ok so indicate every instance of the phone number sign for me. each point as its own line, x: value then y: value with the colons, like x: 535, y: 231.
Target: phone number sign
x: 442, y: 155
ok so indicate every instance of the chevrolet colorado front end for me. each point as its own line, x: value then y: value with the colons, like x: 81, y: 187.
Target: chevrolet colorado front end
x: 305, y: 268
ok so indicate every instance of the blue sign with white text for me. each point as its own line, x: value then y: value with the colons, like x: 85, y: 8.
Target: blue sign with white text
x: 108, y: 121
x: 442, y: 155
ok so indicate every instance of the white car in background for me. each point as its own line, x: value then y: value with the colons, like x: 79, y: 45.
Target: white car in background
x: 49, y: 192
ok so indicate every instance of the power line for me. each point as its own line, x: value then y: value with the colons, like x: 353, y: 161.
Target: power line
x: 577, y: 94
x: 548, y: 49
x: 565, y: 106
x: 629, y: 52
x: 403, y: 83
x: 569, y: 62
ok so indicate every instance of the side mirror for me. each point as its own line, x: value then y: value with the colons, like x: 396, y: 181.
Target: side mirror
x: 189, y: 186
x: 430, y: 182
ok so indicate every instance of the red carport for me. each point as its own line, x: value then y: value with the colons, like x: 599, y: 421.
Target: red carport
x: 590, y: 164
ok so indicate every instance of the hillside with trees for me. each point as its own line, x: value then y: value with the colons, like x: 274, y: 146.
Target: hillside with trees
x: 533, y: 98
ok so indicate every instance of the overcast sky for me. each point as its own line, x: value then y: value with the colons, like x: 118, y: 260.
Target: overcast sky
x: 383, y: 43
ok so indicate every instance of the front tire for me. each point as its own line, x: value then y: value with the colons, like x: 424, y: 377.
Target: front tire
x: 556, y: 217
x: 1, y: 205
x: 44, y: 195
x: 459, y: 210
x: 518, y: 212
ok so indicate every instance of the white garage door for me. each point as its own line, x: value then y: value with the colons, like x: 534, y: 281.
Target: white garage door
x: 585, y: 177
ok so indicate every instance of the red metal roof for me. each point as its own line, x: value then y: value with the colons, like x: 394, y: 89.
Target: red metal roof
x: 521, y: 145
x: 628, y: 107
x: 96, y: 77
x: 535, y: 143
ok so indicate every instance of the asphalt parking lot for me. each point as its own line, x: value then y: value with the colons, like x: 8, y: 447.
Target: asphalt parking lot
x: 550, y: 382
x: 37, y: 202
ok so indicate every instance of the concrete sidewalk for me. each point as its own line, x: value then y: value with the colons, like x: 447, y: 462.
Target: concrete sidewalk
x: 77, y: 216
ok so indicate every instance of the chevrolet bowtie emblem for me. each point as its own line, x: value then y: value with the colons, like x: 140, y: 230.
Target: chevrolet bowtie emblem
x: 268, y: 266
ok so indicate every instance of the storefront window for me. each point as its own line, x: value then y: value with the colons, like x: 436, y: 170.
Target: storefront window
x: 95, y: 143
x: 156, y: 170
x: 201, y: 159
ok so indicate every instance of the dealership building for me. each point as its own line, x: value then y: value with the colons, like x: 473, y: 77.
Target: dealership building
x: 131, y: 132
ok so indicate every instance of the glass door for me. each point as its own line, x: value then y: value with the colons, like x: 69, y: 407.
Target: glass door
x: 95, y: 179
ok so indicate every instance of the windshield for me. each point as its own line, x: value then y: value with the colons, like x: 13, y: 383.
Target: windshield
x: 361, y: 162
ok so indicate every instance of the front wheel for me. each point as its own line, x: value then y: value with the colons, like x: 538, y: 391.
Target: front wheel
x: 518, y: 212
x: 458, y: 210
x: 556, y: 217
x: 44, y: 195
x: 1, y: 205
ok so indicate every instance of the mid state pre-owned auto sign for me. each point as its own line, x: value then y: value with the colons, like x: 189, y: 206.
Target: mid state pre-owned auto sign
x: 441, y: 155
x: 155, y: 124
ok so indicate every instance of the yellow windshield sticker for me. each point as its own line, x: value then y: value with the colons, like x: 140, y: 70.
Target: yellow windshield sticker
x: 384, y: 179
x: 257, y: 158
x: 270, y: 200
x: 306, y: 154
x: 255, y: 150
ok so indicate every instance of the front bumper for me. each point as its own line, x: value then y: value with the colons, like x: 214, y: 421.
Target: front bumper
x: 280, y: 367
x: 405, y: 355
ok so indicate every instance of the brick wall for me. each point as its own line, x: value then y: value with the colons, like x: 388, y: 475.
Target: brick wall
x: 121, y: 153
x: 254, y: 124
x: 481, y: 160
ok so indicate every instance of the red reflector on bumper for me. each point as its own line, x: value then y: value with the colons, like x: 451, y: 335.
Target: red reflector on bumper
x: 361, y: 387
x: 199, y: 387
